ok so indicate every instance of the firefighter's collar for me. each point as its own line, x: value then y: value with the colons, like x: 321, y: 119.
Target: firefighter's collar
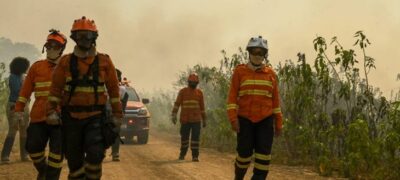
x: 55, y: 62
x: 256, y: 68
x: 84, y: 54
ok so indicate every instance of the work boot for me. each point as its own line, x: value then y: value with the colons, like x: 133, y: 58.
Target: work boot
x: 239, y: 173
x: 115, y: 158
x: 182, y: 154
x: 41, y: 176
x: 259, y: 177
x: 195, y: 159
x: 41, y: 168
x: 25, y: 159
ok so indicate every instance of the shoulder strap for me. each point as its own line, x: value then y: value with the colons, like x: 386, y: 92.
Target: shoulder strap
x: 93, y: 70
x: 94, y: 67
x: 73, y: 68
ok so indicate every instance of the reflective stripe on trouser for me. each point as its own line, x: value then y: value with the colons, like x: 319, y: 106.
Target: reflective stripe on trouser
x: 84, y: 146
x: 241, y: 165
x: 39, y: 135
x: 39, y: 161
x: 93, y: 171
x: 77, y: 174
x: 192, y: 129
x: 257, y: 138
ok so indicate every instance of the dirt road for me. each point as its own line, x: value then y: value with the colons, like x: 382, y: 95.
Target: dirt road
x: 158, y: 160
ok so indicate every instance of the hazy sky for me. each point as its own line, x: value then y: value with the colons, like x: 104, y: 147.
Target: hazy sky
x: 151, y: 41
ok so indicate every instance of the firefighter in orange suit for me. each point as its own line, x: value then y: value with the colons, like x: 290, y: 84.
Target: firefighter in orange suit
x: 191, y: 101
x: 253, y: 108
x: 42, y: 130
x: 80, y: 82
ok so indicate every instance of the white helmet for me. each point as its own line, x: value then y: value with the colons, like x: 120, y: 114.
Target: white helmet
x: 257, y: 42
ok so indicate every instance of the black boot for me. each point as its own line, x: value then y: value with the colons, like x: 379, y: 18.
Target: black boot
x: 52, y: 173
x: 5, y: 153
x: 41, y: 168
x: 181, y: 157
x: 182, y: 154
x: 239, y: 173
x: 195, y: 159
x: 259, y: 177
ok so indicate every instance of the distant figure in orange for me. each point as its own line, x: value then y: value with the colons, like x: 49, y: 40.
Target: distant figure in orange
x: 191, y: 101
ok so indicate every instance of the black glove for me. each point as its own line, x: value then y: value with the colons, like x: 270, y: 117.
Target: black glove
x: 174, y: 118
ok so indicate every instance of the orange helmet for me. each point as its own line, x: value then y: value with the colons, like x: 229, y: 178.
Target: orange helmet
x: 84, y: 24
x: 193, y: 78
x: 57, y: 36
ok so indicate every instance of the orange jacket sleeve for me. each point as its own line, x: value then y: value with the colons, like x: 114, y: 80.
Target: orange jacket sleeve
x: 275, y: 104
x: 112, y: 86
x: 178, y: 102
x: 202, y: 107
x: 57, y: 85
x: 232, y: 97
x: 26, y: 91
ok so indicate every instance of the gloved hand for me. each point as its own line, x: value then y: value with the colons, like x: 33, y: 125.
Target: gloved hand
x: 117, y: 121
x: 174, y: 118
x: 235, y: 126
x: 53, y: 119
x: 19, y: 117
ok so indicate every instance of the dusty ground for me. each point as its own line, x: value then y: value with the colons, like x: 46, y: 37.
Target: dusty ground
x: 158, y: 160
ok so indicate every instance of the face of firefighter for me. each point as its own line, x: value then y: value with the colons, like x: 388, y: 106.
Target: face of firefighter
x: 192, y: 84
x: 53, y: 50
x: 257, y: 56
x: 85, y: 40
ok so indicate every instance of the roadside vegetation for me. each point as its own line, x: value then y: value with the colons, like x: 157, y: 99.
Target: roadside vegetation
x: 335, y: 120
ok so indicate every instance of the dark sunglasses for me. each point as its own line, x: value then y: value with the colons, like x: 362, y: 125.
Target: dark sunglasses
x: 53, y: 45
x: 84, y: 35
x: 258, y: 52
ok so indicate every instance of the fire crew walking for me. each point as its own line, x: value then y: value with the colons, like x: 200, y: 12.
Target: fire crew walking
x: 253, y: 106
x: 79, y: 86
x: 41, y: 129
x: 191, y: 101
x: 18, y: 67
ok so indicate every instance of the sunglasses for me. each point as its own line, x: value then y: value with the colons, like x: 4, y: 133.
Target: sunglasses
x: 258, y: 52
x: 84, y: 35
x: 53, y: 45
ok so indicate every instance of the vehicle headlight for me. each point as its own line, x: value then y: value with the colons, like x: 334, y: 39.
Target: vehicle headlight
x: 142, y: 112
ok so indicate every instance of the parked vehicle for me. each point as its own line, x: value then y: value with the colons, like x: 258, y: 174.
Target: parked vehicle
x: 137, y: 118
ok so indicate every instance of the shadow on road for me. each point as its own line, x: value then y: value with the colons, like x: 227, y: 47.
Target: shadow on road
x: 166, y: 162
